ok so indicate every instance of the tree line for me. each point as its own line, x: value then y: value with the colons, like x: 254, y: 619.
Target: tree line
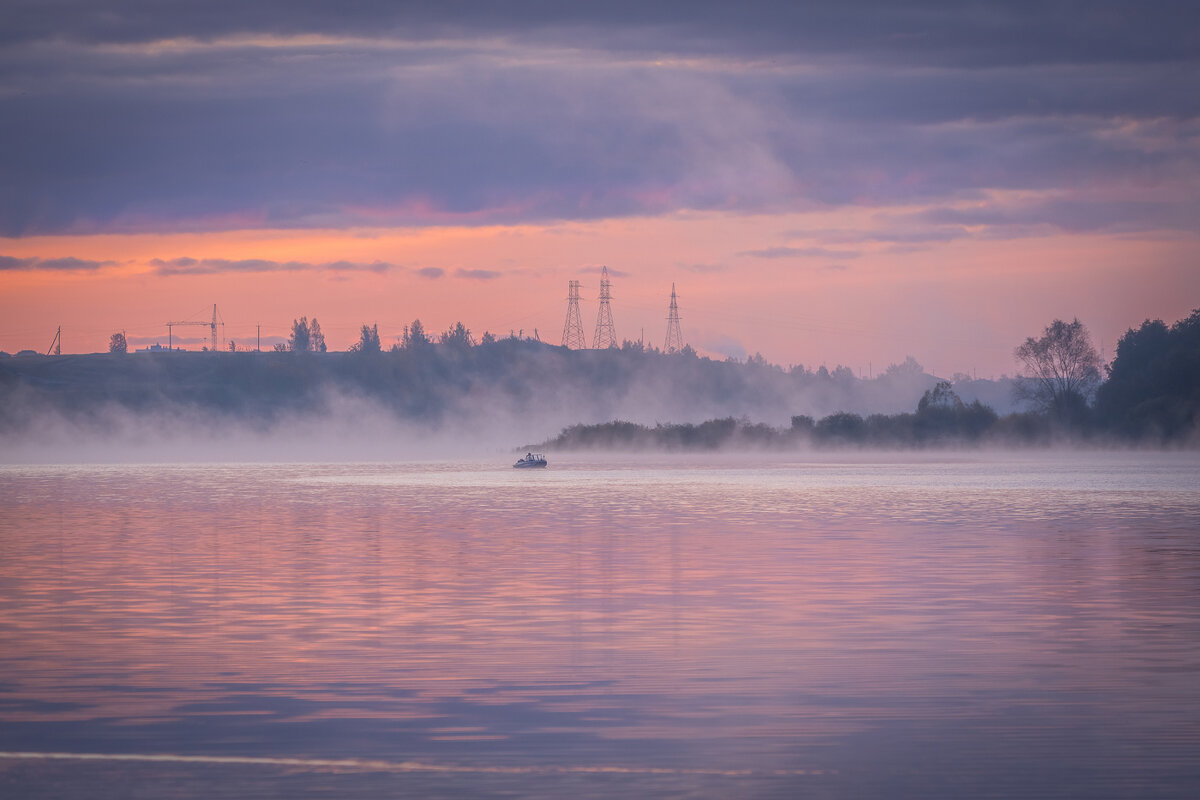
x: 1152, y: 393
x: 1149, y: 392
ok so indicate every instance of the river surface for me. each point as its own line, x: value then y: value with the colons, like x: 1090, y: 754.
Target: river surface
x: 893, y: 626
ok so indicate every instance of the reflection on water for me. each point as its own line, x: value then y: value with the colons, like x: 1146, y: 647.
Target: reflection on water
x: 934, y: 627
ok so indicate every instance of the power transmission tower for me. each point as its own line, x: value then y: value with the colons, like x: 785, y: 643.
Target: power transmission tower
x: 573, y: 336
x: 674, y: 334
x: 606, y: 334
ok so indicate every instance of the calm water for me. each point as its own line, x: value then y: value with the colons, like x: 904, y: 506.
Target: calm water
x: 932, y: 627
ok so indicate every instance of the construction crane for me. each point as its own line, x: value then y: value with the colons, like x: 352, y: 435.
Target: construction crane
x: 212, y: 326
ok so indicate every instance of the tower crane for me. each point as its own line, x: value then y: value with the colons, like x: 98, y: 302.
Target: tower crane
x: 212, y: 326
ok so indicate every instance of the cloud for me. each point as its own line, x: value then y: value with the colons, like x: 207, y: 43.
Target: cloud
x: 477, y: 274
x: 221, y: 266
x: 918, y: 32
x: 703, y: 269
x: 1069, y: 214
x: 616, y: 273
x: 472, y: 115
x: 431, y: 272
x: 899, y: 233
x: 68, y: 264
x: 800, y: 252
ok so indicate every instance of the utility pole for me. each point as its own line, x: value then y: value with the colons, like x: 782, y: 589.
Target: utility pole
x: 258, y: 347
x: 674, y: 334
x: 606, y: 334
x: 573, y: 337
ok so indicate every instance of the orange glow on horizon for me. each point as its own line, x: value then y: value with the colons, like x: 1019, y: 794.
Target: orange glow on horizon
x: 955, y: 306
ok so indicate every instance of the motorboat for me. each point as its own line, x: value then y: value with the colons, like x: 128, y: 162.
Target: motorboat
x: 530, y: 460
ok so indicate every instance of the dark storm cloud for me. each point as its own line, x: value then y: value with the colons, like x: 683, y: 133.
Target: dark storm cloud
x: 932, y: 31
x: 69, y: 264
x: 431, y: 272
x: 140, y: 116
x: 220, y: 266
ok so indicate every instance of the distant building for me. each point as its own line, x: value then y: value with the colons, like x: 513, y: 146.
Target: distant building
x: 158, y: 348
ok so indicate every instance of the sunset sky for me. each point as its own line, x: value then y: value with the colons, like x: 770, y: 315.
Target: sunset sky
x: 824, y: 183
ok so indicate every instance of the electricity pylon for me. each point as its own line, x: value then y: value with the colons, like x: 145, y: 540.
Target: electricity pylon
x: 573, y: 336
x: 606, y: 334
x: 674, y: 334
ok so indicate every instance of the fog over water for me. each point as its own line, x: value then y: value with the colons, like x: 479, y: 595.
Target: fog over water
x: 438, y: 401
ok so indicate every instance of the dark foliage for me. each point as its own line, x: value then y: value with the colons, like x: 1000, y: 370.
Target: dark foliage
x: 1153, y: 386
x: 368, y: 340
x: 942, y: 419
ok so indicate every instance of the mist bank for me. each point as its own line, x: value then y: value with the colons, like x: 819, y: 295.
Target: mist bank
x: 518, y: 388
x: 426, y: 398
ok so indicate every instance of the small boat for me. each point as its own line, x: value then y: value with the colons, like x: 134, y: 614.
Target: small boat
x: 530, y: 460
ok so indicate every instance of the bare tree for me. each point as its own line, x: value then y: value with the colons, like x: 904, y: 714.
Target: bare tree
x: 117, y: 343
x: 1062, y: 368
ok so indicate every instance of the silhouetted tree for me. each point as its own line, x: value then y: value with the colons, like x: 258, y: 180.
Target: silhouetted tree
x: 630, y: 346
x: 803, y: 423
x: 842, y: 426
x: 117, y: 343
x: 301, y: 339
x: 280, y: 347
x: 940, y: 396
x: 910, y: 367
x: 1153, y: 385
x: 457, y: 336
x: 368, y: 340
x: 941, y: 415
x: 415, y: 337
x: 488, y: 338
x: 1064, y: 369
x: 316, y: 339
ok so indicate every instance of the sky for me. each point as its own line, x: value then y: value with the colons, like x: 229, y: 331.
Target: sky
x: 823, y: 182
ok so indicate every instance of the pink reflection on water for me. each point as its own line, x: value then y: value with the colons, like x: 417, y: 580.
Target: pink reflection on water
x: 759, y: 615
